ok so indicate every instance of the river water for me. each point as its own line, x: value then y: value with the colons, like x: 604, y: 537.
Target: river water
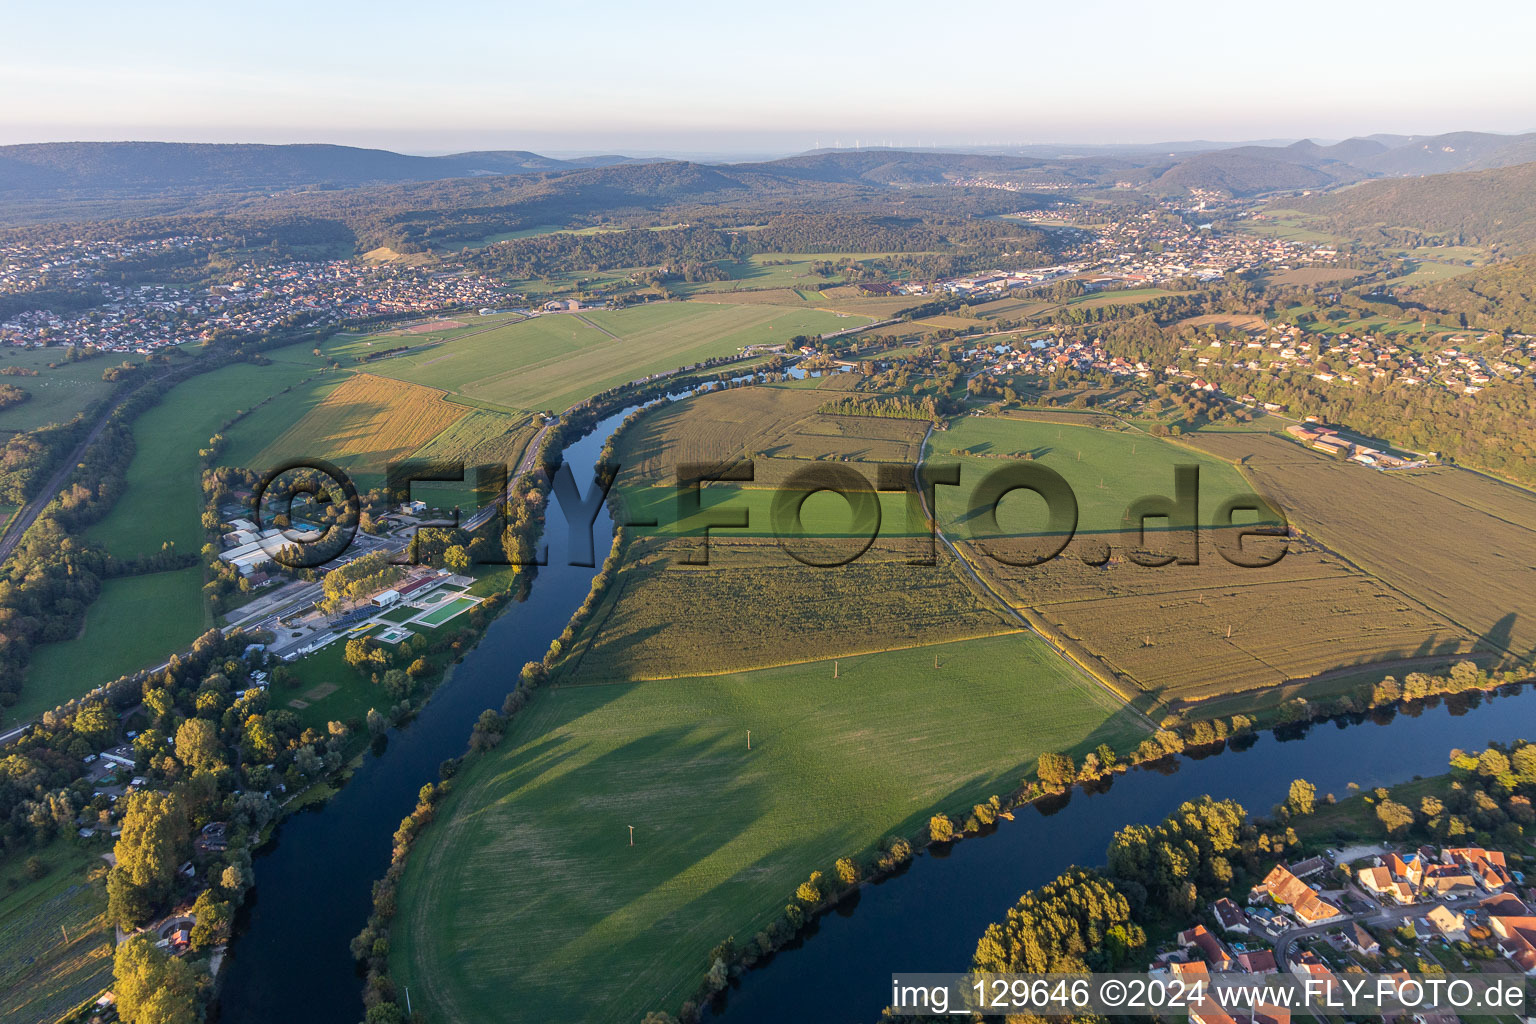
x: 928, y: 918
x: 290, y: 961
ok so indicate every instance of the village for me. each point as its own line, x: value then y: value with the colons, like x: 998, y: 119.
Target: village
x: 1373, y: 909
x: 258, y: 296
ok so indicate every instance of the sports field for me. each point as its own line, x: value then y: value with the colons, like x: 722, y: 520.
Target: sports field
x: 137, y: 622
x: 524, y: 891
x: 553, y: 361
x: 447, y: 610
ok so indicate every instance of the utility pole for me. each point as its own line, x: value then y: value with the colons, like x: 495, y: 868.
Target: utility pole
x: 749, y: 739
x: 834, y: 668
x: 631, y: 835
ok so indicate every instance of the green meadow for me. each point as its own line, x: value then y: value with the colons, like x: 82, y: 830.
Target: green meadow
x: 58, y: 392
x: 137, y: 622
x: 1106, y: 469
x: 524, y: 891
x: 554, y: 361
x: 163, y: 501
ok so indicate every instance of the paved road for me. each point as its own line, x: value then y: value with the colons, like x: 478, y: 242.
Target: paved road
x: 1378, y: 916
x: 31, y: 510
x: 530, y: 453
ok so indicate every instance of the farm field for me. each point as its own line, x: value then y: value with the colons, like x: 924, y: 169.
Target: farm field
x: 364, y: 423
x: 1107, y: 470
x: 754, y: 606
x: 524, y: 890
x: 1465, y: 548
x: 137, y: 622
x: 43, y: 975
x: 1302, y: 276
x: 781, y: 270
x: 1290, y: 224
x: 782, y: 431
x: 1165, y: 631
x: 548, y: 362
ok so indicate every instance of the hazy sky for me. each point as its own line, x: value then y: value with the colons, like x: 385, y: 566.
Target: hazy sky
x: 759, y: 77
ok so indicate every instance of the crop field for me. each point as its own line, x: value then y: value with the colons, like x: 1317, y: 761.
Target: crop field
x: 1458, y: 543
x: 58, y: 392
x: 781, y: 431
x: 365, y: 422
x: 525, y: 892
x: 1165, y: 630
x: 1302, y: 276
x: 1227, y: 321
x: 481, y: 438
x: 1187, y: 645
x: 43, y: 974
x: 554, y: 361
x: 136, y: 623
x: 1119, y: 297
x: 754, y: 606
x: 715, y: 427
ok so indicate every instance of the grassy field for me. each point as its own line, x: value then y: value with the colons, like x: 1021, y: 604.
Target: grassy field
x: 135, y: 623
x: 58, y: 392
x: 524, y: 891
x: 43, y: 974
x: 1106, y: 469
x: 554, y: 361
x: 163, y: 502
x: 1289, y: 224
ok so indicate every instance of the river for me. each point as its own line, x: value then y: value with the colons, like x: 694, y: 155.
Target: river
x: 290, y: 961
x: 928, y: 918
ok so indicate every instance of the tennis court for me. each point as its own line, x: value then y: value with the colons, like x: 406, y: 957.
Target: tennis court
x: 443, y: 612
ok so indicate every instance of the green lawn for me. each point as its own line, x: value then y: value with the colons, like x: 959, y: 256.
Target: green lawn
x: 554, y: 361
x: 137, y: 622
x: 43, y: 974
x: 525, y: 892
x: 330, y: 690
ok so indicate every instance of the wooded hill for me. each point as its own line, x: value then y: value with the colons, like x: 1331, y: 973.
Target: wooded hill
x: 1492, y: 207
